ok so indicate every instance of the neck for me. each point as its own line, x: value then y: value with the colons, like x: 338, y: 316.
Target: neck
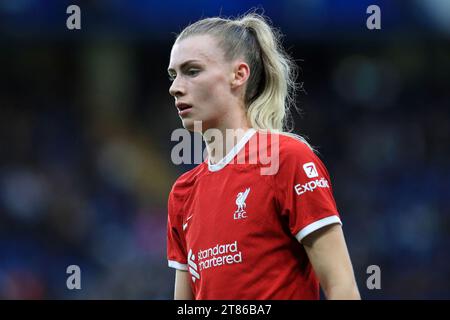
x: 221, y: 141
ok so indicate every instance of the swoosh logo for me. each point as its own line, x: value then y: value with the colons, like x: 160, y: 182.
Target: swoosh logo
x: 186, y: 223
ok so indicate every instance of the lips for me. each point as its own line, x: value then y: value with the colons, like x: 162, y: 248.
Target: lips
x: 183, y: 106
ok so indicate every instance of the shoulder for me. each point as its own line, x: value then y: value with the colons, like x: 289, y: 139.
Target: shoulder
x: 291, y: 146
x: 283, y: 144
x: 280, y: 152
x: 292, y: 150
x: 296, y: 155
x: 182, y: 186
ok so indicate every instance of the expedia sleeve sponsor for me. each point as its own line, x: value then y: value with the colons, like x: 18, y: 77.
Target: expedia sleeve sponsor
x: 303, y: 191
x: 311, y: 186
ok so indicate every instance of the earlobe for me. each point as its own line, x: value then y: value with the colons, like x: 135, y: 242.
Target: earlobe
x: 233, y: 79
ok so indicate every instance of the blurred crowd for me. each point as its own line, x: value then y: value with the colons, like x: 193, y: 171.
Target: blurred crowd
x: 85, y: 162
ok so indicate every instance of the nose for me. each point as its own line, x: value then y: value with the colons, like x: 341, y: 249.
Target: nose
x: 176, y: 90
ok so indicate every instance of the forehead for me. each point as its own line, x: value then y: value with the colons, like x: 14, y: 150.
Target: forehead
x: 203, y: 48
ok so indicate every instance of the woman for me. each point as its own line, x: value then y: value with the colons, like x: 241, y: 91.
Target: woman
x: 235, y: 231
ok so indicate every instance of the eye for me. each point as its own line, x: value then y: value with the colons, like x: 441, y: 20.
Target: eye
x: 193, y: 72
x: 171, y: 77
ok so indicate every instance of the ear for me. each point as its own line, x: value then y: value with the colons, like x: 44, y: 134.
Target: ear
x: 241, y: 73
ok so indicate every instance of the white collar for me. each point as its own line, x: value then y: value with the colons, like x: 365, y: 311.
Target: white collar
x: 233, y: 152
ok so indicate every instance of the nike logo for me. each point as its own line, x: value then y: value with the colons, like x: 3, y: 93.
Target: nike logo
x: 186, y: 224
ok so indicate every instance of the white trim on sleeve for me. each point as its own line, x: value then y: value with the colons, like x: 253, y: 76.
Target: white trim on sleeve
x: 177, y: 265
x: 316, y: 226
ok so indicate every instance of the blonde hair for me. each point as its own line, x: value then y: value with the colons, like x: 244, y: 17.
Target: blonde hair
x: 271, y: 87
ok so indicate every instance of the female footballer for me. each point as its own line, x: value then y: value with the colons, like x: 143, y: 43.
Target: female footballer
x: 234, y: 230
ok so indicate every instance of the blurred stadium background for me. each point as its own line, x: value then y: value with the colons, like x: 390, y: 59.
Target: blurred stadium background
x: 86, y: 119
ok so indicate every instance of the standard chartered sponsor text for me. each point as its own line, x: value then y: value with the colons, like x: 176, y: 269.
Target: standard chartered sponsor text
x: 221, y: 254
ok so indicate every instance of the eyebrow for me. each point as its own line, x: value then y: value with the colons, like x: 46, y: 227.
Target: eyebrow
x: 170, y: 70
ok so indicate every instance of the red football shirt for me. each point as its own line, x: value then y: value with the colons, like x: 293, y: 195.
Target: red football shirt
x: 238, y: 231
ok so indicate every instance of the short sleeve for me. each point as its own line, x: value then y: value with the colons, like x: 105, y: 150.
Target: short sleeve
x: 176, y: 245
x: 304, y: 190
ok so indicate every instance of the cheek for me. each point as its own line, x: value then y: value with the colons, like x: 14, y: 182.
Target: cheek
x: 214, y: 88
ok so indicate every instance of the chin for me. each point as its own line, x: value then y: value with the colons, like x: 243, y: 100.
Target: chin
x: 188, y: 124
x: 197, y: 125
